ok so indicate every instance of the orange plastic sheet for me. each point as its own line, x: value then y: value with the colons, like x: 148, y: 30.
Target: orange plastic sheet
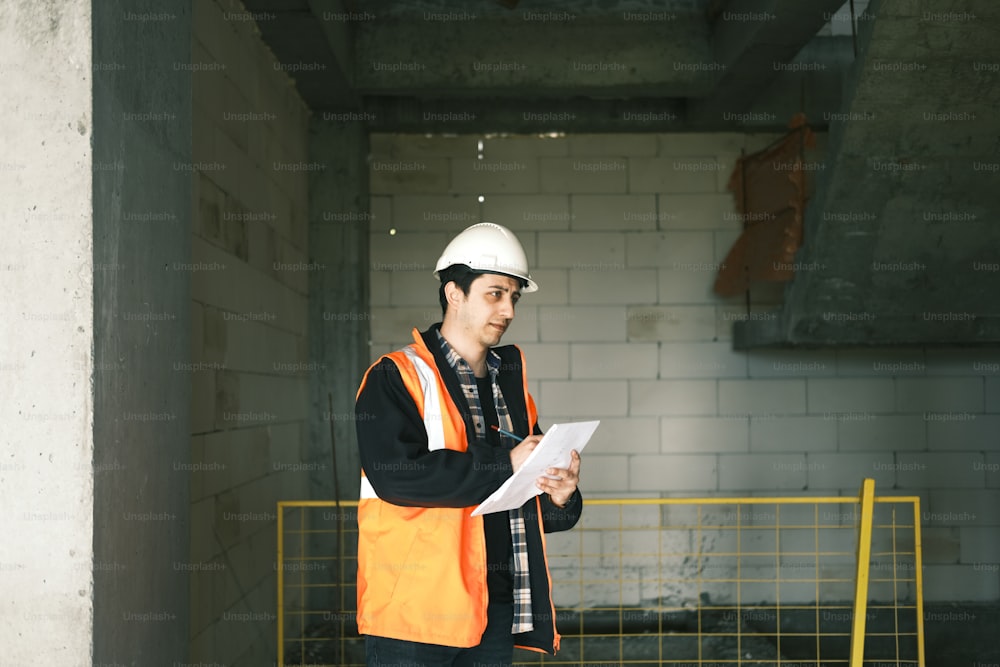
x: 770, y: 191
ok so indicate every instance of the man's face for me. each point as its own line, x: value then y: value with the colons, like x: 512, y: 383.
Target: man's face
x: 488, y: 310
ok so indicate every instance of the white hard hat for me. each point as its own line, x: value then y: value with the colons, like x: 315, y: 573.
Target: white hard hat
x: 487, y: 247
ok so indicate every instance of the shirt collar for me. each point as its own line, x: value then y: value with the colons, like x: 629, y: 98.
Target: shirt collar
x: 460, y: 365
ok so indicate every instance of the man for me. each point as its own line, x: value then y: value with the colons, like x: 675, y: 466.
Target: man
x: 437, y: 586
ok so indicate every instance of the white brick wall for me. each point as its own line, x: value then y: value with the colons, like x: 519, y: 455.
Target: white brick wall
x: 795, y: 434
x: 844, y: 471
x: 494, y: 175
x: 622, y: 361
x: 673, y: 472
x: 880, y: 362
x: 672, y: 397
x: 851, y: 395
x: 424, y: 213
x: 715, y: 211
x: 607, y: 286
x: 685, y: 285
x: 416, y: 175
x: 704, y: 434
x: 546, y: 361
x: 614, y: 212
x: 943, y: 583
x: 527, y: 212
x: 749, y: 472
x: 691, y: 324
x: 626, y: 435
x: 674, y: 174
x: 667, y: 250
x: 701, y: 360
x: 993, y: 395
x: 992, y: 471
x: 939, y: 394
x: 864, y: 431
x: 604, y: 175
x: 553, y: 287
x: 624, y: 233
x: 581, y: 324
x: 589, y: 397
x: 409, y: 251
x: 524, y: 328
x: 980, y: 433
x: 975, y: 506
x: 603, y: 473
x: 980, y: 546
x: 939, y: 470
x: 958, y: 362
x: 582, y: 250
x: 615, y: 145
x: 792, y: 363
x: 762, y: 397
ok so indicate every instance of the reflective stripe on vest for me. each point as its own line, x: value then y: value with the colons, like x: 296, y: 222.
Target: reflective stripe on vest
x: 367, y: 490
x: 433, y: 419
x: 431, y: 407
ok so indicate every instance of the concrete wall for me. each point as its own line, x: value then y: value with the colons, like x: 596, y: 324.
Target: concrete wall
x: 46, y: 334
x: 339, y: 318
x: 249, y: 349
x: 142, y: 329
x: 624, y: 234
x: 339, y: 312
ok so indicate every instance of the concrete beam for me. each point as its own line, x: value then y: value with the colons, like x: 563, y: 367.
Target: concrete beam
x: 314, y: 44
x: 518, y: 58
x: 756, y: 40
x: 519, y: 115
x: 485, y: 114
x: 816, y: 332
x: 815, y: 92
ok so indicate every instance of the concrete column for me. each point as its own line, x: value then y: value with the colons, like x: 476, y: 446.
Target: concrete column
x: 339, y: 310
x: 142, y: 330
x: 46, y: 334
x: 94, y: 411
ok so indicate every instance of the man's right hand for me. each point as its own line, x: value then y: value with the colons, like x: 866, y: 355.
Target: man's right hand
x: 523, y: 449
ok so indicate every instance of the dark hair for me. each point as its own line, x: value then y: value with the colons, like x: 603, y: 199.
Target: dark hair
x: 461, y: 275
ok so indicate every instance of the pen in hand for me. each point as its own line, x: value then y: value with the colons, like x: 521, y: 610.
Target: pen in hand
x: 506, y: 433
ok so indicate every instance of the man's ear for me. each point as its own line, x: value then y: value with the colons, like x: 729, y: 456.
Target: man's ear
x: 453, y: 293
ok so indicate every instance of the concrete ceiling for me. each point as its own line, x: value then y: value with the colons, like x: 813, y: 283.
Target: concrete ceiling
x: 600, y: 65
x: 902, y: 234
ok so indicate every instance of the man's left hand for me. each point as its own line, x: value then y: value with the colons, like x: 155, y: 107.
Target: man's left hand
x: 561, y: 483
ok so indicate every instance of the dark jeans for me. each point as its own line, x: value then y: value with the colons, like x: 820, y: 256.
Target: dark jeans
x: 496, y: 649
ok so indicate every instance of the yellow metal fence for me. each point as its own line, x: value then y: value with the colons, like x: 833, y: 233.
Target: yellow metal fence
x: 712, y: 582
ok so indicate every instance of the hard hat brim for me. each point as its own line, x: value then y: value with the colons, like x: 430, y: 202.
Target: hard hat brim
x: 527, y: 283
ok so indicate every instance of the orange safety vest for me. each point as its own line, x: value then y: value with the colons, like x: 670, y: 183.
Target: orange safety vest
x: 422, y: 570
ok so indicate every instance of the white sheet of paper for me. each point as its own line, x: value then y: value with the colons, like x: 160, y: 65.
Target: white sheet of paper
x: 553, y: 451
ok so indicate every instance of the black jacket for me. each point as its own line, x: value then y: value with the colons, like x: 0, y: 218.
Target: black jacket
x: 397, y: 462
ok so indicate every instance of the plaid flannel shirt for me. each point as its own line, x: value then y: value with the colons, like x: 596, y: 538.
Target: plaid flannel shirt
x: 522, y: 588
